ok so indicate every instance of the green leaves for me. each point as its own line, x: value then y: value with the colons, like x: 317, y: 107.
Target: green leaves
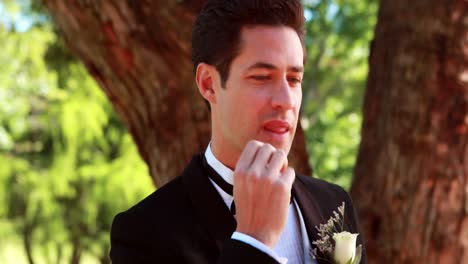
x: 68, y: 164
x: 338, y: 36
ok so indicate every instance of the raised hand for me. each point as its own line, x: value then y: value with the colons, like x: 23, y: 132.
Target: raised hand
x: 262, y: 192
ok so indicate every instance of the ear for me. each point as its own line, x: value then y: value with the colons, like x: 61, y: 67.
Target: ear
x: 207, y: 81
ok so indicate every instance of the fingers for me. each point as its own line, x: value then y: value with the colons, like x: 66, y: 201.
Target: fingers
x: 263, y: 165
x: 259, y: 165
x: 288, y: 177
x: 278, y: 162
x: 248, y: 155
x: 262, y: 191
x: 262, y: 158
x: 282, y: 187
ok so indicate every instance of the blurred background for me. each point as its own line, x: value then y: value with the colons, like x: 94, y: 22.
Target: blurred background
x: 65, y: 158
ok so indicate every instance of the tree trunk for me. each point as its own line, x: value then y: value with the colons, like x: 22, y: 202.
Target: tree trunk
x: 104, y: 259
x: 30, y: 225
x: 140, y: 54
x: 411, y: 177
x: 27, y: 243
x: 59, y: 249
x: 76, y: 251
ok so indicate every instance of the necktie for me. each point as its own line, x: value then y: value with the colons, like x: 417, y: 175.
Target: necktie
x: 224, y: 185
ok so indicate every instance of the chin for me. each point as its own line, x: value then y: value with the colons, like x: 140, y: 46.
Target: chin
x: 285, y: 146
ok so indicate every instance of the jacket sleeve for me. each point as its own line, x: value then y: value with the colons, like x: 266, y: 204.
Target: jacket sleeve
x: 235, y: 251
x: 130, y: 245
x: 127, y: 245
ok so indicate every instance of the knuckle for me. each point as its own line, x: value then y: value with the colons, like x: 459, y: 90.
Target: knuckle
x: 251, y: 145
x: 240, y: 167
x: 288, y: 175
x: 239, y: 176
x: 281, y: 187
x: 281, y: 154
x: 254, y: 175
x: 268, y: 147
x: 269, y: 181
x: 255, y: 143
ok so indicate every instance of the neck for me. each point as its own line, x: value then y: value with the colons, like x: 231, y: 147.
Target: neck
x: 224, y: 154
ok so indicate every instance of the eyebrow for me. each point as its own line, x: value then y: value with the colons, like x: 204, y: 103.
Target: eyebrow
x: 268, y: 66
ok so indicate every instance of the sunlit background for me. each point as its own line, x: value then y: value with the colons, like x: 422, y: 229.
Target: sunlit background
x: 68, y: 165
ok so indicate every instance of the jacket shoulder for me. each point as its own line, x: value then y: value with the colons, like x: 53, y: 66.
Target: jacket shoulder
x: 138, y: 231
x: 157, y: 207
x: 329, y: 197
x: 322, y: 187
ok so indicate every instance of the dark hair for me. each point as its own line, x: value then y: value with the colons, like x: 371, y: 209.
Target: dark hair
x: 217, y: 31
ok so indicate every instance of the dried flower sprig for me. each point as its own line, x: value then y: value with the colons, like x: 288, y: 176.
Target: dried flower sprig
x: 336, y: 245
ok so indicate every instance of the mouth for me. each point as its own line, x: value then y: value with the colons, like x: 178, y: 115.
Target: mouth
x: 278, y: 127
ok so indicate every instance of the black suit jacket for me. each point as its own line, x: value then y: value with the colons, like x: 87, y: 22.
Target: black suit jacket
x: 186, y: 221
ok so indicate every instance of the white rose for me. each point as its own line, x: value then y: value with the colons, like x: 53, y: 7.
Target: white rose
x: 345, y: 247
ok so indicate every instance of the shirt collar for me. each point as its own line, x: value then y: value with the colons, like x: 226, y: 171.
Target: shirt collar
x: 226, y: 173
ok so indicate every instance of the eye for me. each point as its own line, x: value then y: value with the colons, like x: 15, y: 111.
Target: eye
x: 294, y: 80
x: 261, y: 77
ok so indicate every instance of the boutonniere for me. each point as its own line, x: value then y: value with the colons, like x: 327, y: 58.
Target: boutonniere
x: 336, y: 245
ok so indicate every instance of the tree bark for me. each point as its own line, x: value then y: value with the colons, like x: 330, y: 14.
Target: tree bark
x: 411, y: 176
x: 140, y: 54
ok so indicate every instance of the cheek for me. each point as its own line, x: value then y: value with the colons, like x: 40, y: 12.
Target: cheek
x: 254, y: 106
x: 247, y: 113
x: 298, y: 99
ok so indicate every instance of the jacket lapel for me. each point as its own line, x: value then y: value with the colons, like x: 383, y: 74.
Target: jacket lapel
x: 310, y: 211
x: 208, y: 205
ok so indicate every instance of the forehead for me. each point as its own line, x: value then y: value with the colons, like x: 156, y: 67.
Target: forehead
x: 276, y: 45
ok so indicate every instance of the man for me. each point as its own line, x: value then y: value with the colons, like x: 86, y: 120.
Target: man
x: 239, y: 202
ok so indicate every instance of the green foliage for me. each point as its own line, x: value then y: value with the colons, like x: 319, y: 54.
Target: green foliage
x: 68, y: 165
x: 338, y: 36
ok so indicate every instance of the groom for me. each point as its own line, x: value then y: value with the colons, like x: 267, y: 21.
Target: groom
x: 239, y: 201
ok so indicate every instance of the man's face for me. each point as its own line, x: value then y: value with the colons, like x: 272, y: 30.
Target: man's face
x: 262, y: 95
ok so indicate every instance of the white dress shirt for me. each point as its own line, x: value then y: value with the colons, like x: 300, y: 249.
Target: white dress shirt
x: 293, y: 244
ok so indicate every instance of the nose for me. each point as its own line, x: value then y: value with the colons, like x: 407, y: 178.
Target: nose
x: 283, y: 96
